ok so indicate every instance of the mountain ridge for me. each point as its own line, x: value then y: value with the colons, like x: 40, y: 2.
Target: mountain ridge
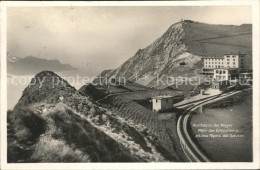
x: 180, y: 49
x: 30, y: 65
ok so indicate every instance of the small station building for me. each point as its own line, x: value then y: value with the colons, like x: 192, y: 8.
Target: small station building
x: 162, y: 103
x: 165, y: 102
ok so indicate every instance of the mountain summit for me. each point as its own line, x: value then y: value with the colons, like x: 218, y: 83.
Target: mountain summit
x: 178, y: 52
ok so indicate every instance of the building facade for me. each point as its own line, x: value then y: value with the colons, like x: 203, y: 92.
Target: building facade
x: 162, y: 103
x: 226, y: 61
x: 225, y: 73
x: 223, y: 67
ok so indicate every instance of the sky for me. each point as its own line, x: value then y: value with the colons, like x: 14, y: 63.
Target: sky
x: 94, y: 39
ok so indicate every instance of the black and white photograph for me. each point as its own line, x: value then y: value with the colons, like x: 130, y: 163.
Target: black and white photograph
x: 129, y: 83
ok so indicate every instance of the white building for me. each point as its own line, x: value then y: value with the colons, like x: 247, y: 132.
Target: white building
x: 161, y: 103
x: 225, y: 73
x: 223, y: 67
x: 226, y: 61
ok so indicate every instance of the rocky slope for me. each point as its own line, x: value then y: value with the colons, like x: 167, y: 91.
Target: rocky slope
x: 179, y: 50
x: 31, y: 65
x: 53, y: 122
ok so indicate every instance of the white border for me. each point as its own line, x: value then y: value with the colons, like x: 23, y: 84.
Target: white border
x: 226, y: 165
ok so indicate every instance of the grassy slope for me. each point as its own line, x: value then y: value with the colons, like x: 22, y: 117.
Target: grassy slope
x: 164, y: 131
x: 59, y: 135
x: 43, y: 127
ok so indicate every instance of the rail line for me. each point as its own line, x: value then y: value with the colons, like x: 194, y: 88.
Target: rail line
x: 191, y: 150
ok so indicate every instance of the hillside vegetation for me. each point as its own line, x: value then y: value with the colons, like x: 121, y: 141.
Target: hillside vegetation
x: 163, y: 131
x: 53, y: 122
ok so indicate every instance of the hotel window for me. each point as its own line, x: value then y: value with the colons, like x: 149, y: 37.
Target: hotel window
x: 234, y: 63
x: 227, y: 59
x: 234, y: 56
x: 224, y: 72
x: 234, y: 59
x: 228, y: 56
x: 227, y: 62
x: 216, y: 71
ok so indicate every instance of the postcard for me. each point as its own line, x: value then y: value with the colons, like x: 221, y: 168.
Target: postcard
x: 130, y: 85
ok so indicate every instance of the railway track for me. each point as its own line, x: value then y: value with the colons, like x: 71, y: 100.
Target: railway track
x: 190, y: 148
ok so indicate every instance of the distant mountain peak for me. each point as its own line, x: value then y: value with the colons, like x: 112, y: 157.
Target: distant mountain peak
x: 30, y: 65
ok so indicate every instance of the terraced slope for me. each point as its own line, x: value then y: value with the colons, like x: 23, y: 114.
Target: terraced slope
x: 164, y: 131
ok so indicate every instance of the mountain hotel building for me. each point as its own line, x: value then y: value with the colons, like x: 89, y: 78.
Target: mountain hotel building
x: 223, y: 67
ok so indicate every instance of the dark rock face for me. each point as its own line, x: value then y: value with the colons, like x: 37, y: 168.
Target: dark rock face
x: 188, y: 42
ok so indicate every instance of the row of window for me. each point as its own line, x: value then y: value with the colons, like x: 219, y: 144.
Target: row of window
x: 232, y: 56
x: 233, y: 59
x: 233, y: 63
x: 211, y: 66
x: 214, y: 59
x: 215, y: 63
x: 219, y: 62
x: 221, y: 71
